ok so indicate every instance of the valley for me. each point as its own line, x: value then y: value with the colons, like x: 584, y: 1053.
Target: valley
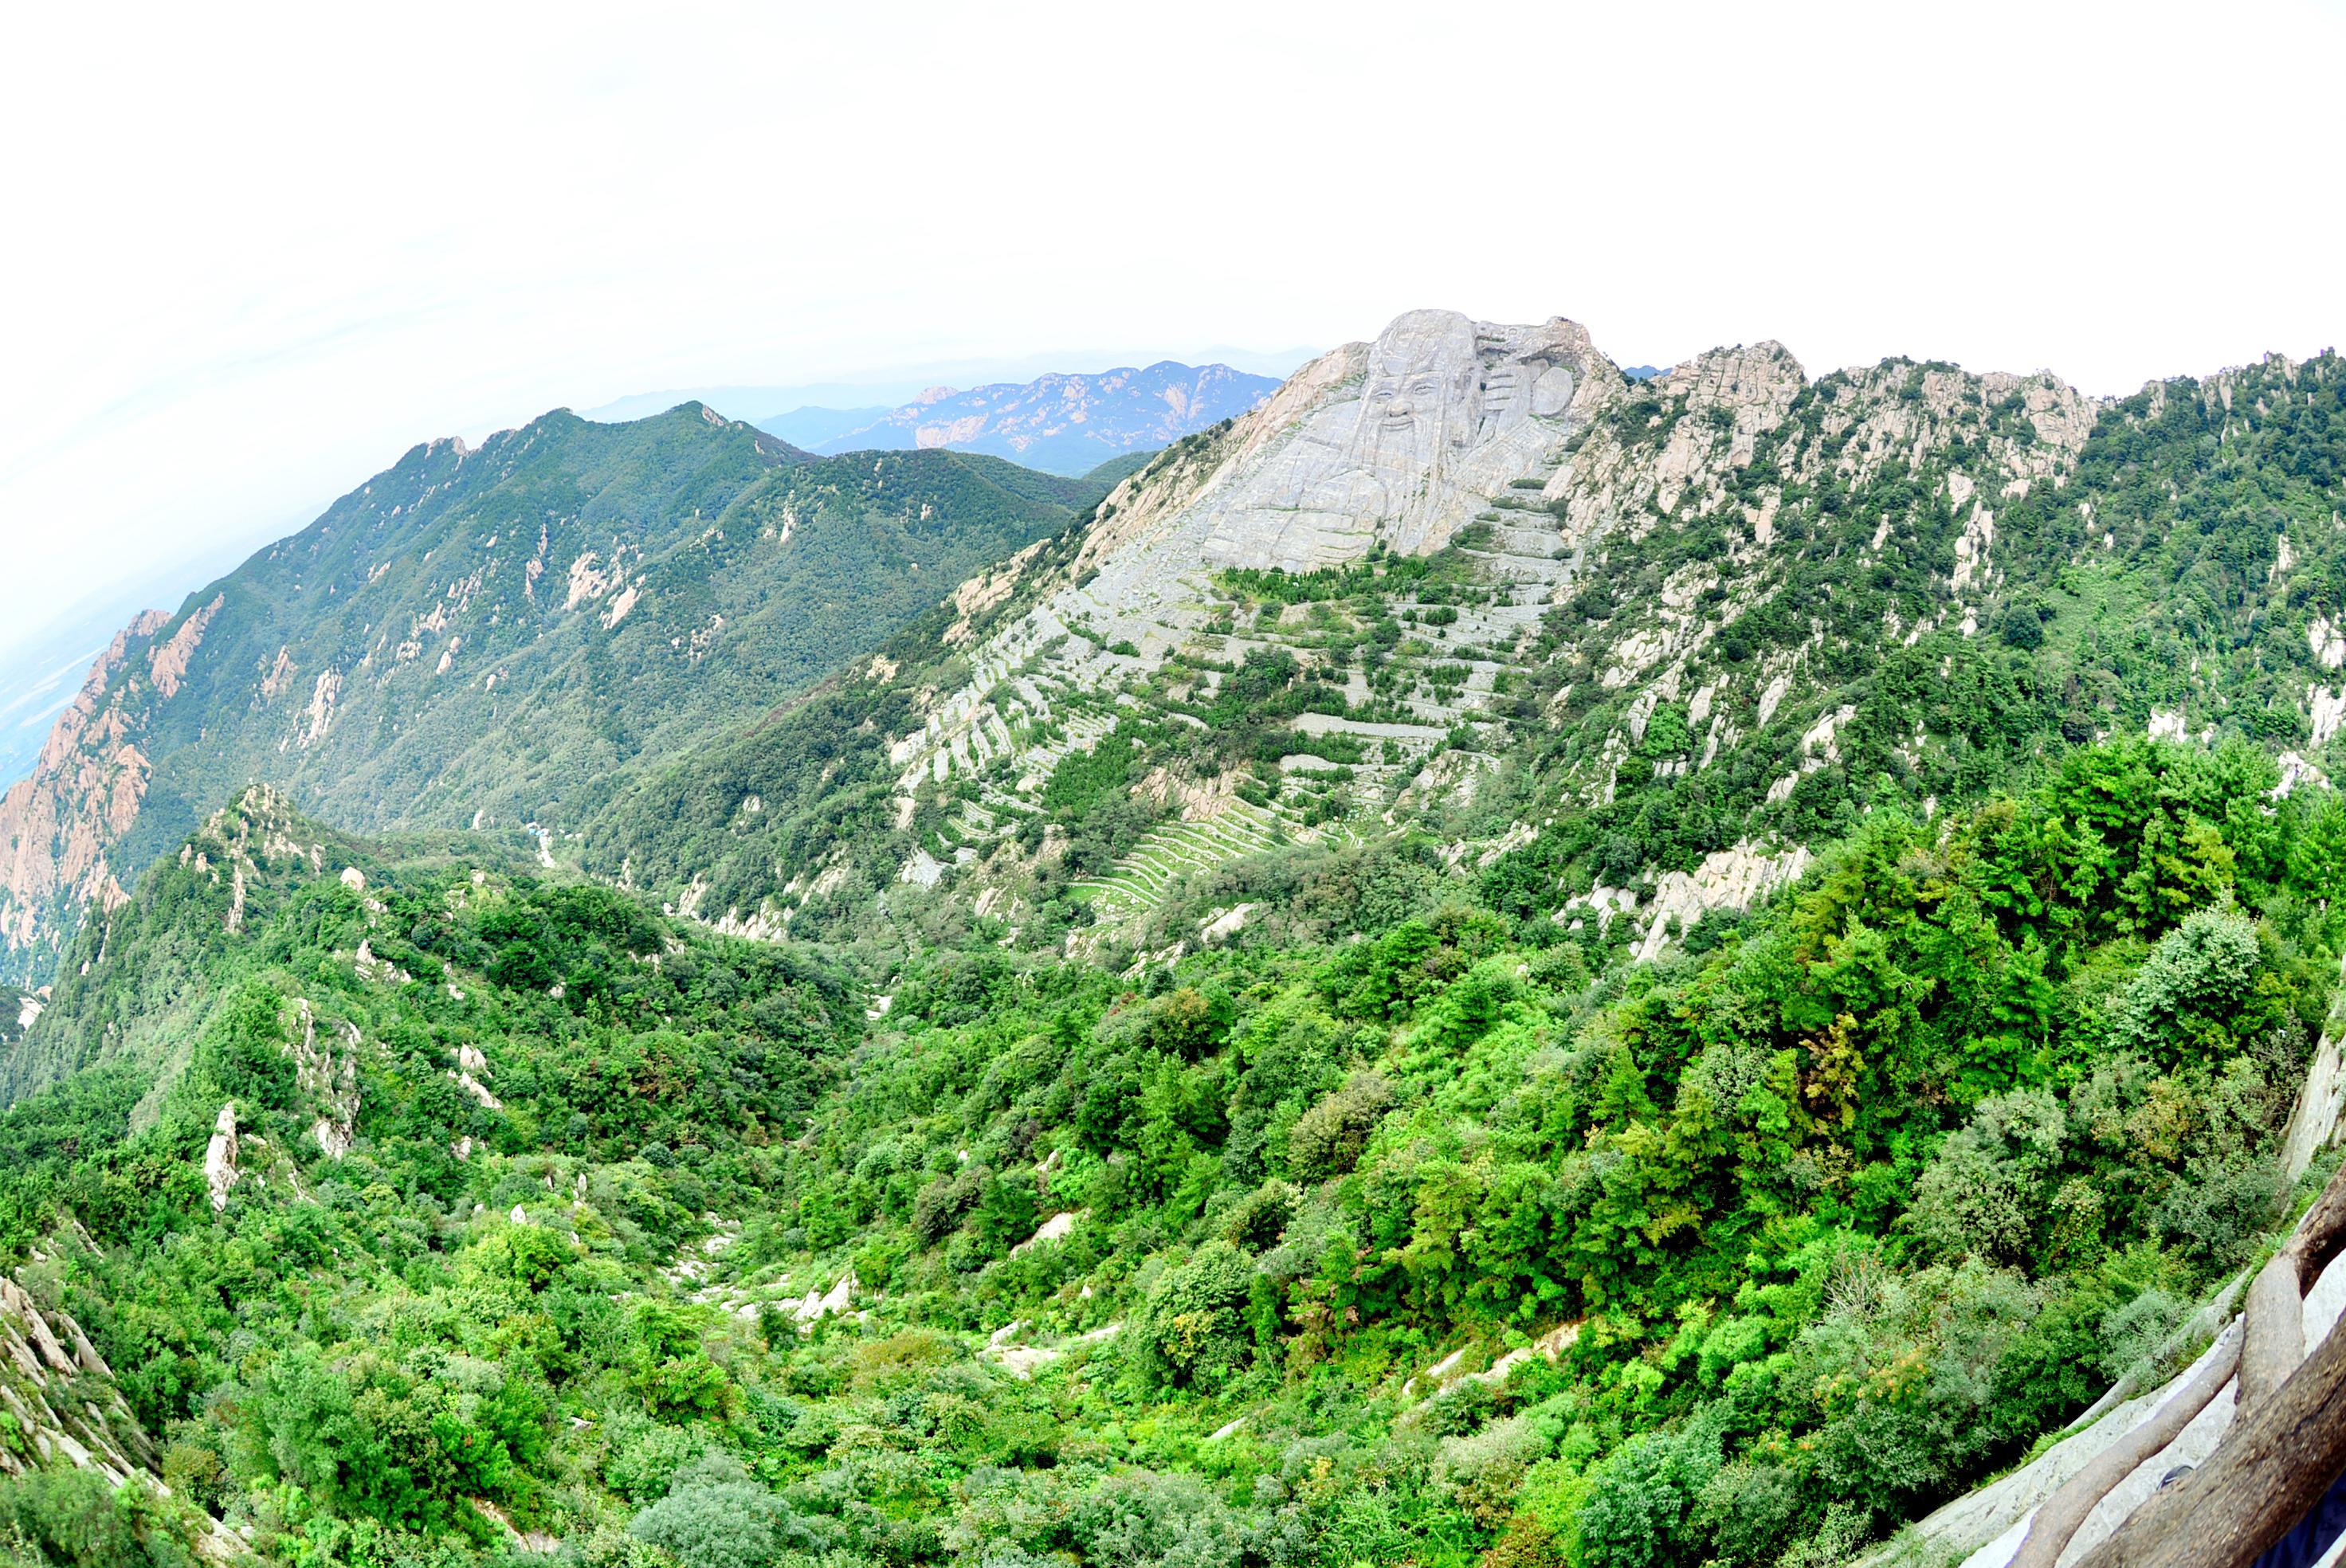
x: 1482, y: 961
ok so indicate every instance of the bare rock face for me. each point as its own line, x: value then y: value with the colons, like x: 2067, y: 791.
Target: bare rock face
x: 41, y: 1354
x: 471, y: 1068
x: 57, y: 825
x: 1443, y: 413
x: 330, y: 1079
x: 1398, y: 443
x: 219, y: 1159
x: 1733, y: 878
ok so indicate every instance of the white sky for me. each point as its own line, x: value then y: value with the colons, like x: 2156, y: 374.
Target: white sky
x: 251, y: 254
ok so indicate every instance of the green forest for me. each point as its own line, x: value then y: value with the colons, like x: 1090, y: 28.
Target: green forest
x: 1453, y: 1242
x: 1373, y: 1191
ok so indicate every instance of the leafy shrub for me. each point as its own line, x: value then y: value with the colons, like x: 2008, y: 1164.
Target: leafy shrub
x: 1481, y: 1471
x: 1747, y: 1509
x: 715, y: 1517
x: 1192, y: 1329
x: 1328, y: 1139
x: 76, y: 1518
x: 641, y: 1458
x: 2193, y: 993
x: 2217, y: 1211
x: 1984, y: 1192
x: 1256, y: 1221
x: 1641, y: 1499
x: 1139, y: 1519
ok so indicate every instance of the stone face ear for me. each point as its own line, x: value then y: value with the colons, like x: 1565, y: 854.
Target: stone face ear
x: 1552, y: 393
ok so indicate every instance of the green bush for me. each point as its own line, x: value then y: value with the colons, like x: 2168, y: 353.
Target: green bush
x: 1192, y: 1330
x: 1328, y: 1139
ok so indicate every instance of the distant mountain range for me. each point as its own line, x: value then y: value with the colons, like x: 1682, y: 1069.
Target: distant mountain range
x: 1059, y: 423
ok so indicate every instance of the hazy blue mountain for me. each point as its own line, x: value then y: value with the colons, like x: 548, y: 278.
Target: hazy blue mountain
x: 810, y: 426
x: 754, y: 404
x: 1059, y: 423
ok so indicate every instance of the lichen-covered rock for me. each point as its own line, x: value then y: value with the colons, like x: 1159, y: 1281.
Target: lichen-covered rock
x: 220, y: 1173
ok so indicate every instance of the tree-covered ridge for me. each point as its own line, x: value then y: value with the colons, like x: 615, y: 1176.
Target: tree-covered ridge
x: 394, y: 1044
x: 1737, y: 613
x: 494, y: 636
x: 1462, y: 1238
x: 2182, y: 579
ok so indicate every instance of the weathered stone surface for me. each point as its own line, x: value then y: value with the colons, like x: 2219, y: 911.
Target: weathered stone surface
x: 1445, y: 412
x: 219, y: 1159
x: 1733, y: 878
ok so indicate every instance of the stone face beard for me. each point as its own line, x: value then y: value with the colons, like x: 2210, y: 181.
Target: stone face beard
x: 1419, y: 410
x: 1503, y: 398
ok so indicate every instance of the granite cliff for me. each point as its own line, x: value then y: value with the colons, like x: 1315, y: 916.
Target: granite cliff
x: 1691, y: 621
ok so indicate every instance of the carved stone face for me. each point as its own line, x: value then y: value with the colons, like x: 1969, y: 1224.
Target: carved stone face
x: 1506, y: 396
x: 1445, y: 416
x: 1420, y: 397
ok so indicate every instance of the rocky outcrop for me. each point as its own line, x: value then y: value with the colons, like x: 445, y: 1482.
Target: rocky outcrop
x: 220, y: 1173
x: 329, y: 1079
x: 1395, y: 444
x: 167, y: 661
x: 471, y: 1068
x: 19, y: 1010
x: 57, y: 827
x: 1733, y: 879
x: 1525, y: 448
x: 43, y: 1355
x: 1444, y: 415
x: 62, y: 1407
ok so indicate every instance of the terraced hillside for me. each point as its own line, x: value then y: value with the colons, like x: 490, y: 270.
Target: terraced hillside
x: 1490, y: 964
x: 1609, y: 649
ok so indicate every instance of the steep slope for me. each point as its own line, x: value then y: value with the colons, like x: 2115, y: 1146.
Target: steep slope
x: 1487, y: 963
x: 284, y: 1030
x: 491, y: 636
x: 1059, y: 423
x: 1621, y: 649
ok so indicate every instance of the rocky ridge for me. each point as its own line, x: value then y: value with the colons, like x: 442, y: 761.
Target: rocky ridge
x: 1628, y: 549
x: 60, y: 1395
x: 440, y: 648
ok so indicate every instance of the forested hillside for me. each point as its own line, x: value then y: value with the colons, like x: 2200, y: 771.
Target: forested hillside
x: 495, y: 637
x: 1490, y: 963
x: 483, y: 1210
x: 1716, y: 622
